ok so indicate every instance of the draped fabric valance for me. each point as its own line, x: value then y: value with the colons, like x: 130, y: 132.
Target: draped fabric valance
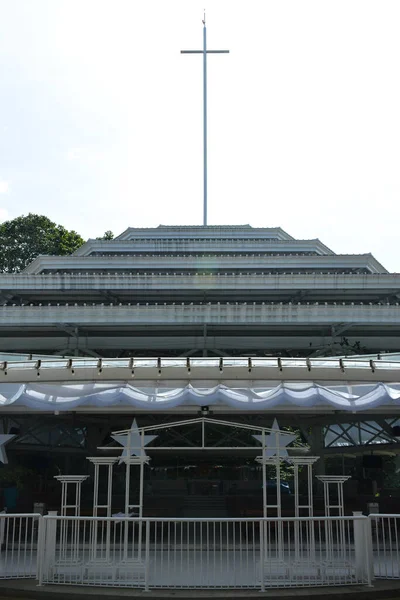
x: 160, y: 396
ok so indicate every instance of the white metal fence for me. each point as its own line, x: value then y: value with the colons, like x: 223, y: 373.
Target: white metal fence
x: 204, y: 553
x: 385, y: 536
x: 200, y: 553
x: 18, y: 545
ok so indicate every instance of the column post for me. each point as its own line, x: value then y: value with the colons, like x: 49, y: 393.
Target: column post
x: 49, y: 543
x: 361, y: 547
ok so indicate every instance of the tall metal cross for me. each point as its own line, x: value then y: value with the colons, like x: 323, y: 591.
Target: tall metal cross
x: 204, y: 52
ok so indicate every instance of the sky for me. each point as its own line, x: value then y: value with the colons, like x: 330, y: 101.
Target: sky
x: 101, y: 116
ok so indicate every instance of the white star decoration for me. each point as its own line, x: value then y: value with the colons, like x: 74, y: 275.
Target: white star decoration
x: 132, y: 442
x: 4, y: 439
x: 276, y: 438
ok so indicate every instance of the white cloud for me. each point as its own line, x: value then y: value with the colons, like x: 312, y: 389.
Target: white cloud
x: 4, y: 215
x: 74, y: 153
x: 84, y: 154
x: 4, y: 187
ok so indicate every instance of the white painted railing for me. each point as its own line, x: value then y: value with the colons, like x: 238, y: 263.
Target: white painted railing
x: 19, y: 536
x: 385, y: 536
x: 94, y: 551
x: 205, y: 553
x: 200, y: 553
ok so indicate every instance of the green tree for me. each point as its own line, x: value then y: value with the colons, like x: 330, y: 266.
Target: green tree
x: 108, y: 235
x: 24, y: 238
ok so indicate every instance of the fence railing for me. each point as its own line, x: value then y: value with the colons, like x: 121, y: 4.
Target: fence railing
x: 19, y: 536
x: 200, y: 553
x: 204, y: 553
x: 385, y: 540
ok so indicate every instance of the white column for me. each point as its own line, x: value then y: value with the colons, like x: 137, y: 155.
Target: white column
x: 275, y: 462
x: 49, y: 547
x: 66, y: 482
x: 102, y: 553
x: 307, y: 509
x: 303, y: 461
x: 138, y: 505
x: 329, y: 481
x: 361, y: 547
x: 108, y: 462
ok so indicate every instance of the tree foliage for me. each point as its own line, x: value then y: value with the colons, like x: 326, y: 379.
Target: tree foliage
x: 108, y: 235
x: 24, y: 238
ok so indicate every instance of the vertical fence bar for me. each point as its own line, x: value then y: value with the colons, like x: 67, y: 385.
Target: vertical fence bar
x: 147, y: 557
x: 40, y: 549
x: 262, y: 524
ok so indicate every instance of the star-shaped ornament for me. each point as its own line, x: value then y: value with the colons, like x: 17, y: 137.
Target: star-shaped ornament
x: 274, y: 439
x: 4, y: 439
x: 132, y: 442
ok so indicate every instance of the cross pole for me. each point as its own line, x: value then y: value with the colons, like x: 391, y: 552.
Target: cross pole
x: 204, y: 52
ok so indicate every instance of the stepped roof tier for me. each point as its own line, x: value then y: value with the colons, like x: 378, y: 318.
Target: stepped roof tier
x: 187, y: 290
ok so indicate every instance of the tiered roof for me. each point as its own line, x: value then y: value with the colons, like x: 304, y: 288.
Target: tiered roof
x: 189, y: 290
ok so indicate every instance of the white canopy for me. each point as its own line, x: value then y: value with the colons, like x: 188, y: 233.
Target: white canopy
x: 246, y: 395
